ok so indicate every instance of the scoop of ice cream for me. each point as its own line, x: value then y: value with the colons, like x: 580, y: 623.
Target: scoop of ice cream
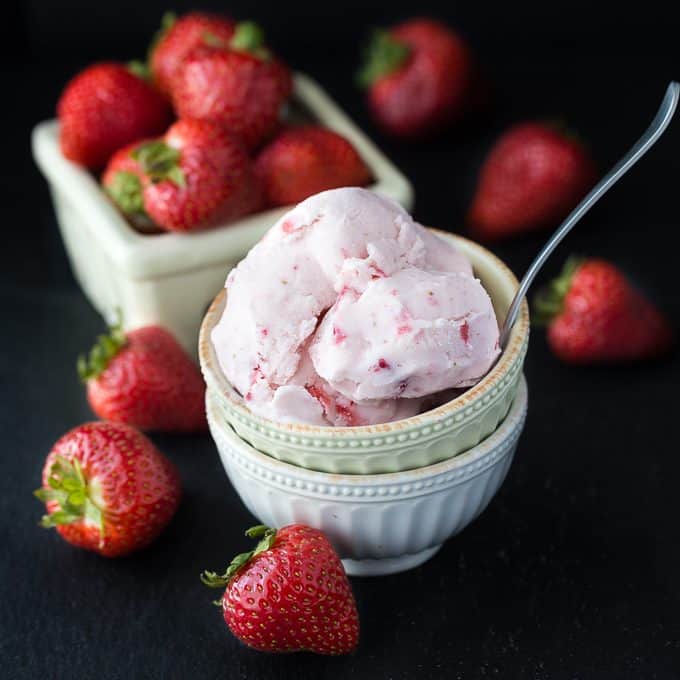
x: 334, y: 244
x: 407, y: 335
x: 309, y: 399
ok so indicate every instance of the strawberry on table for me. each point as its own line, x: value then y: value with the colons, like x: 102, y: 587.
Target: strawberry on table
x: 105, y: 107
x: 303, y: 161
x: 289, y: 594
x: 594, y: 315
x: 196, y: 176
x: 178, y: 37
x: 108, y: 489
x: 238, y: 84
x: 145, y: 379
x: 534, y: 175
x: 419, y: 76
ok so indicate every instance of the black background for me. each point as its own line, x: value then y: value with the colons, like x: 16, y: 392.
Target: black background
x: 572, y: 572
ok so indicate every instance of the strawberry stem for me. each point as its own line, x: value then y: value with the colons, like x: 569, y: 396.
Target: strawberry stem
x: 160, y: 162
x: 106, y: 347
x: 168, y: 20
x: 266, y: 536
x: 383, y: 56
x: 249, y: 37
x: 68, y: 487
x: 140, y: 69
x: 126, y: 192
x: 549, y: 300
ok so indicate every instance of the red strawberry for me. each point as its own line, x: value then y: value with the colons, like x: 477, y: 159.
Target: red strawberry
x: 108, y: 489
x: 532, y: 178
x: 240, y: 86
x: 104, y: 108
x: 180, y: 36
x: 289, y: 594
x: 594, y: 315
x: 124, y: 181
x: 419, y: 76
x: 303, y: 161
x: 144, y: 378
x: 193, y: 178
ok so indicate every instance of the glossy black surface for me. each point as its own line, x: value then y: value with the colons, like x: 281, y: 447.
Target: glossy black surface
x: 574, y: 569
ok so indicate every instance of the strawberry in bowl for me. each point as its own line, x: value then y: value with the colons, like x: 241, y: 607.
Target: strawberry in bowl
x: 193, y: 177
x: 238, y: 84
x: 178, y: 37
x: 105, y: 107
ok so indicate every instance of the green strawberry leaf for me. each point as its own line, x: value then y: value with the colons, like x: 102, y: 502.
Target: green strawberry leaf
x: 267, y: 537
x: 160, y: 161
x: 249, y: 37
x: 383, y: 56
x: 549, y: 300
x: 106, y: 347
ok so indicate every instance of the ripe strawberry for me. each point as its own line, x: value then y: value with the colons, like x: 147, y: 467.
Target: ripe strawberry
x: 240, y: 86
x: 533, y: 176
x: 178, y: 37
x: 419, y: 75
x: 107, y: 488
x: 194, y: 177
x: 124, y: 181
x: 104, y: 108
x: 289, y: 594
x: 594, y: 315
x: 303, y: 161
x: 144, y: 378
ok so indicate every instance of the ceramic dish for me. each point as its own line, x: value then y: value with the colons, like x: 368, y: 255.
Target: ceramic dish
x: 171, y: 278
x: 402, y: 445
x: 379, y: 524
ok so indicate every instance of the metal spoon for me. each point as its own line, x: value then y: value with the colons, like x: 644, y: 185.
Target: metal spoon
x: 638, y: 150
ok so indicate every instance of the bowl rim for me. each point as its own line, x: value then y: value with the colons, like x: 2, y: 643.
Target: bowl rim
x: 215, y: 378
x: 473, y: 460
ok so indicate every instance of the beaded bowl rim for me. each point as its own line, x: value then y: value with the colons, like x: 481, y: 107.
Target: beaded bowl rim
x: 450, y: 471
x: 216, y: 379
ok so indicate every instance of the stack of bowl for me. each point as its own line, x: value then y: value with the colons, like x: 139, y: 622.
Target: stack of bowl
x: 386, y: 495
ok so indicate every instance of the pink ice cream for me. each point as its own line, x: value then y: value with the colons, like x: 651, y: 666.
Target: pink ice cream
x: 350, y: 313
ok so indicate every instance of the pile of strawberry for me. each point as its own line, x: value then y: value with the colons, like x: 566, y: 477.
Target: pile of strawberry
x: 227, y: 153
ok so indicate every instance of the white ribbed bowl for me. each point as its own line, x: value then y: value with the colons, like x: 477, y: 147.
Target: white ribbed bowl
x: 380, y: 524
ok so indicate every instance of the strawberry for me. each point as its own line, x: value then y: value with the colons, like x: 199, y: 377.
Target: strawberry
x: 289, y: 594
x: 194, y: 177
x: 124, y: 181
x: 105, y: 107
x: 145, y: 379
x: 594, y: 315
x: 303, y: 161
x: 240, y: 86
x: 178, y: 37
x: 533, y: 177
x: 107, y: 488
x: 418, y: 75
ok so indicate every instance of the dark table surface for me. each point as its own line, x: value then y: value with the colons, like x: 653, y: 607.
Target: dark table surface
x: 574, y: 569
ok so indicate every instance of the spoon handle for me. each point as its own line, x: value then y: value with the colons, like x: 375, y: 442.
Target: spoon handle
x: 638, y: 150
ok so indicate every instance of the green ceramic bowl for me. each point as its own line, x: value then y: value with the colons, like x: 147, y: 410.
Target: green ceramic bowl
x: 414, y: 442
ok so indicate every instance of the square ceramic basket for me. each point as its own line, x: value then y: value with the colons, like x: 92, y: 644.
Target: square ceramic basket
x: 170, y: 279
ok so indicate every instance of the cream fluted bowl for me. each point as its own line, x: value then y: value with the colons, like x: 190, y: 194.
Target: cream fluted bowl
x: 410, y: 443
x: 380, y: 524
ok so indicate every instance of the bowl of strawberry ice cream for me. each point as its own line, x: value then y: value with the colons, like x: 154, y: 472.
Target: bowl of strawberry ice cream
x: 352, y: 339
